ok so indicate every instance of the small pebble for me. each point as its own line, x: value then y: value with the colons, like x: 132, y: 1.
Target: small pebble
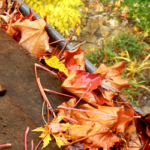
x: 4, y: 132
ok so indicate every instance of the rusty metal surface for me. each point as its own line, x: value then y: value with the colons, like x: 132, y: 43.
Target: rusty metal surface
x: 21, y: 106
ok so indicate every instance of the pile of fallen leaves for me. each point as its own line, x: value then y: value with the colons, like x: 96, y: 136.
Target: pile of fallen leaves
x: 105, y: 120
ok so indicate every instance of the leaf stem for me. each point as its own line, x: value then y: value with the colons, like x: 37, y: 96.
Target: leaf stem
x: 137, y: 114
x: 57, y: 41
x: 32, y: 145
x: 68, y: 41
x: 25, y: 138
x: 88, y: 111
x: 83, y: 94
x: 6, y: 145
x: 78, y: 45
x: 40, y: 66
x: 70, y: 119
x: 47, y: 90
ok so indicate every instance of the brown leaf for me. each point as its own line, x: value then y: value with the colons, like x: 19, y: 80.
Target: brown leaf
x: 124, y: 118
x: 105, y: 139
x: 34, y: 38
x: 79, y: 132
x: 3, y: 7
x: 114, y: 78
x: 68, y: 113
x: 102, y: 119
x: 131, y: 138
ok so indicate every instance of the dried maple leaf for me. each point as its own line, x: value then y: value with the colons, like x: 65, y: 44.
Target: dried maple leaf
x: 113, y: 78
x: 3, y: 6
x: 79, y: 132
x: 104, y: 139
x: 34, y: 38
x: 131, y: 138
x: 74, y: 60
x: 143, y: 131
x: 68, y: 113
x: 124, y: 118
x: 108, y: 120
x: 78, y: 82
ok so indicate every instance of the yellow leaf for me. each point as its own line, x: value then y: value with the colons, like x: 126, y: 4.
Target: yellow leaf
x: 133, y: 15
x: 101, y: 9
x: 46, y: 140
x: 58, y: 140
x: 117, y: 3
x: 39, y: 129
x: 146, y: 34
x: 55, y: 63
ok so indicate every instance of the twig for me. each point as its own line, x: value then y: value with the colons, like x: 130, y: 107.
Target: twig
x: 37, y: 65
x: 41, y: 88
x: 25, y: 138
x: 45, y: 97
x: 70, y: 119
x: 57, y: 41
x: 78, y: 45
x: 47, y: 90
x: 32, y: 145
x: 83, y: 94
x: 88, y: 111
x: 48, y: 115
x: 6, y: 145
x: 68, y: 40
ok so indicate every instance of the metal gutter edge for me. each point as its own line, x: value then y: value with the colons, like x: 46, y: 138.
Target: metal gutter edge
x: 54, y: 35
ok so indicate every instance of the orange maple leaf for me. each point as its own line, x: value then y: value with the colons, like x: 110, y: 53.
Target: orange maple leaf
x: 34, y: 38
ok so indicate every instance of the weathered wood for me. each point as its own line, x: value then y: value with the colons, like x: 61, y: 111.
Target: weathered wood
x: 17, y: 75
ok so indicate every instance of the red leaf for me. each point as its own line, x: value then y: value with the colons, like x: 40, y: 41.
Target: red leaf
x: 78, y: 82
x: 74, y: 60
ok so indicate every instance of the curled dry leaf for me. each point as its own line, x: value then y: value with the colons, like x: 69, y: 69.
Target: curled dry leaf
x: 123, y: 120
x: 34, y: 38
x: 3, y: 6
x: 113, y: 78
x: 143, y: 130
x: 68, y: 113
x: 131, y: 138
x: 74, y: 60
x: 78, y: 82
